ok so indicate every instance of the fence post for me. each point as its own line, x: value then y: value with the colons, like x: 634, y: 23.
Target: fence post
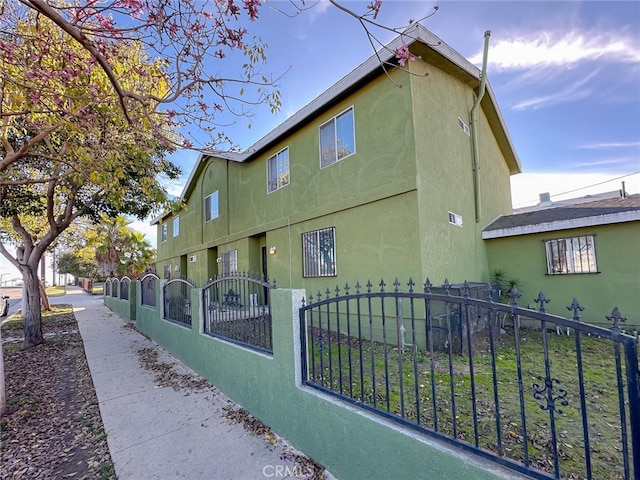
x: 633, y: 385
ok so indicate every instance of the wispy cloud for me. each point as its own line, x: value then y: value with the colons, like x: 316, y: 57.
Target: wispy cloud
x: 546, y: 49
x: 570, y: 93
x: 609, y: 145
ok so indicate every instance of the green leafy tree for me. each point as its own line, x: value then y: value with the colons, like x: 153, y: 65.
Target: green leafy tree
x: 121, y: 250
x: 67, y: 150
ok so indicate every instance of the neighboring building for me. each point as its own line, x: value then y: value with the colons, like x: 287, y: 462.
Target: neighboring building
x: 590, y: 251
x: 368, y: 181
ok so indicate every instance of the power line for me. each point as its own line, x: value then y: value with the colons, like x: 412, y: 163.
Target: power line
x: 595, y: 184
x: 578, y: 189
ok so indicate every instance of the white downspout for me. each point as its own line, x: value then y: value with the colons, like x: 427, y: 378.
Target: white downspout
x: 474, y: 125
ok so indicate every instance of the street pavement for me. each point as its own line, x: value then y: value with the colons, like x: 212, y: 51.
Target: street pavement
x: 156, y: 432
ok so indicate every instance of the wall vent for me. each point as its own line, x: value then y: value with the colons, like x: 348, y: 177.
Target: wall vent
x: 455, y: 219
x: 464, y: 127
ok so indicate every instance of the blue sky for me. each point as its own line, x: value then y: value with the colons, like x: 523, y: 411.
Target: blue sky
x: 566, y: 75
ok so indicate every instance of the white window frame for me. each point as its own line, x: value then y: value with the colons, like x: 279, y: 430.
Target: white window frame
x: 571, y: 255
x: 163, y: 232
x: 176, y: 226
x: 276, y: 179
x: 325, y: 161
x: 211, y: 213
x: 319, y: 260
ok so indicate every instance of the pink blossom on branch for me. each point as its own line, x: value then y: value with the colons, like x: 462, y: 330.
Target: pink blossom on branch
x: 404, y: 55
x: 375, y: 8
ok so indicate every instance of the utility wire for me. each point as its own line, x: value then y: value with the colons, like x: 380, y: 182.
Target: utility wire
x: 581, y: 188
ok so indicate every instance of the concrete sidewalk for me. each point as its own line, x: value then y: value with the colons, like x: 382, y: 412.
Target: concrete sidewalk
x: 156, y: 432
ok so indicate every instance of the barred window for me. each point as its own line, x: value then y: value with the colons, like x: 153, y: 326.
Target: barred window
x: 229, y: 262
x: 319, y: 253
x: 571, y: 255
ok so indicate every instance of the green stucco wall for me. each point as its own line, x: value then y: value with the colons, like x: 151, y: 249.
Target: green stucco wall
x: 445, y: 177
x: 617, y: 284
x: 389, y: 201
x: 352, y: 444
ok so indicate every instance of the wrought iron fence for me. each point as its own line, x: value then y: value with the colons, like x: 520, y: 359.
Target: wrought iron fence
x: 176, y: 295
x: 544, y: 395
x: 148, y: 290
x: 107, y: 288
x: 114, y: 287
x: 237, y: 308
x: 124, y: 288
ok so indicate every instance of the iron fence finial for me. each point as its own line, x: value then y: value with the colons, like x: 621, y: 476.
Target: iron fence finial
x: 427, y: 285
x: 616, y: 317
x: 541, y: 299
x: 576, y: 307
x: 466, y: 289
x: 411, y: 284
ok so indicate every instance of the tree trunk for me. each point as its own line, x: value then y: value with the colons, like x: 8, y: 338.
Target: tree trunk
x: 46, y: 306
x: 31, y: 313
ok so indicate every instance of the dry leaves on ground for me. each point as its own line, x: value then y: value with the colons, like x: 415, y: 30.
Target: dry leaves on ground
x: 53, y: 427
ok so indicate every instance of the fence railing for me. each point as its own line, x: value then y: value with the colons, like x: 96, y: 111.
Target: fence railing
x: 544, y: 395
x: 124, y: 288
x: 115, y: 283
x: 148, y: 290
x: 237, y: 308
x: 176, y: 296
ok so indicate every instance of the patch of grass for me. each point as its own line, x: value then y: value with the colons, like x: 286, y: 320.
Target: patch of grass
x: 15, y: 321
x: 389, y: 379
x: 56, y: 291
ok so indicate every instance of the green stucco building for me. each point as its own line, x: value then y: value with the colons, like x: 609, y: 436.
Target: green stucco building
x: 368, y: 181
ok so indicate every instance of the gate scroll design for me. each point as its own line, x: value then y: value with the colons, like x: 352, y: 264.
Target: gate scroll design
x: 237, y: 309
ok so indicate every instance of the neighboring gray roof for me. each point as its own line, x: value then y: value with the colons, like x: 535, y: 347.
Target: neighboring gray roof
x: 601, y: 212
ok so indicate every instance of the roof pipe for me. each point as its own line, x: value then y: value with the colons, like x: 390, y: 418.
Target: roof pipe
x: 474, y: 124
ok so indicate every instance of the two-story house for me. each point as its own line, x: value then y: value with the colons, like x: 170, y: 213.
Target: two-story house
x: 367, y: 181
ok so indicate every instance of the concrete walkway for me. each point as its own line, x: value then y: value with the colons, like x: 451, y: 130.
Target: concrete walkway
x: 156, y: 432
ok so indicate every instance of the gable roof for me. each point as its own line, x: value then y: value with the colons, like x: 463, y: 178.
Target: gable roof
x: 422, y: 43
x: 600, y: 212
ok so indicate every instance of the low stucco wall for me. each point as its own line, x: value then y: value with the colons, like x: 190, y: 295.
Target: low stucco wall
x: 351, y: 443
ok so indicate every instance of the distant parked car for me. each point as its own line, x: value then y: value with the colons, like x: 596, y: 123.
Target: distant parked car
x: 4, y: 306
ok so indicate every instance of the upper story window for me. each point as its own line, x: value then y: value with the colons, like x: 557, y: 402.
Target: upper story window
x: 278, y: 170
x: 319, y: 253
x: 163, y: 232
x: 211, y: 206
x: 337, y: 138
x: 571, y: 255
x: 176, y: 226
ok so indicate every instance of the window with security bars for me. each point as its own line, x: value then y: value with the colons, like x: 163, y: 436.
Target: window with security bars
x: 319, y: 253
x: 571, y: 255
x: 229, y: 262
